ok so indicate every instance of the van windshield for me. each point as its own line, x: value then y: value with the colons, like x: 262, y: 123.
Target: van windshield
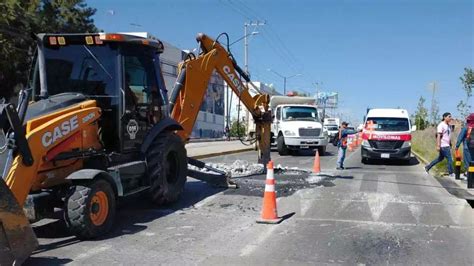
x: 300, y: 113
x: 389, y: 123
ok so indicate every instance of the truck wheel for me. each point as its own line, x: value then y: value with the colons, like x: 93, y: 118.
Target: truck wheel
x: 90, y: 209
x: 281, y: 147
x: 322, y: 150
x: 167, y: 168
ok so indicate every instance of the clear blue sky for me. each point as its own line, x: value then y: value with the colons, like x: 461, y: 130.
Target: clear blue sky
x: 374, y: 53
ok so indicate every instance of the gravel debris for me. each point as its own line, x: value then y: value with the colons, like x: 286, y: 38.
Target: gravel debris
x: 242, y: 168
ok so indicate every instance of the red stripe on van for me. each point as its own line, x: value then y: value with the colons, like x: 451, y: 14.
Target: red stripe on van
x: 380, y: 137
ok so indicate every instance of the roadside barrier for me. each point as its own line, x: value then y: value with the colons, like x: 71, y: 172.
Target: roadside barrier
x: 316, y: 163
x: 470, y: 175
x: 457, y: 165
x: 269, y: 211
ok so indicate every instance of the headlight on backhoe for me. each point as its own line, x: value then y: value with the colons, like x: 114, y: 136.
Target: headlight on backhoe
x: 406, y: 144
x: 289, y: 133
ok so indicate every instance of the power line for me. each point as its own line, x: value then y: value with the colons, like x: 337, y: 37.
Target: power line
x: 229, y: 4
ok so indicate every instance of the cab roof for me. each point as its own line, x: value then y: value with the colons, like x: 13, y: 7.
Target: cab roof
x: 386, y: 112
x: 64, y: 39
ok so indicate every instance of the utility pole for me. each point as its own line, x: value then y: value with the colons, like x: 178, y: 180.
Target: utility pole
x: 433, y: 88
x: 246, y: 60
x: 246, y: 44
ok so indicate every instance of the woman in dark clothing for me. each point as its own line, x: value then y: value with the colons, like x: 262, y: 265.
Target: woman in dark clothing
x: 466, y: 137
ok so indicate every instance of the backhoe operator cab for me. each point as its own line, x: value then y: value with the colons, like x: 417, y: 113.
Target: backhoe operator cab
x: 120, y: 72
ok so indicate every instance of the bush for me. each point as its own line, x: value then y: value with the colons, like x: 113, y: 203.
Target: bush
x: 237, y: 129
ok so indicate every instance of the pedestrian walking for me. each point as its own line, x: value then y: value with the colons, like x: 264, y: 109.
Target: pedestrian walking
x: 342, y: 144
x: 443, y: 144
x: 466, y: 138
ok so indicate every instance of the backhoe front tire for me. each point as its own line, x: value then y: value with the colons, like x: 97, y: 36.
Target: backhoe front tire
x: 90, y: 209
x: 167, y: 168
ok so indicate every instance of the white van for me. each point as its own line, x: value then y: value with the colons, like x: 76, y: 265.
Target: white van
x: 387, y: 135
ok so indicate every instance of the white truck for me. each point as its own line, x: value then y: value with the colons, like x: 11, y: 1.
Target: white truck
x: 297, y: 125
x: 332, y: 126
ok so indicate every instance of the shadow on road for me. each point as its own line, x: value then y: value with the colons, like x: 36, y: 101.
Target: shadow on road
x: 412, y: 161
x: 310, y: 153
x: 47, y: 261
x: 132, y: 213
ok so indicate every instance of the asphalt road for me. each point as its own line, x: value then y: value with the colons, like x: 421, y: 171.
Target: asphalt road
x: 368, y: 214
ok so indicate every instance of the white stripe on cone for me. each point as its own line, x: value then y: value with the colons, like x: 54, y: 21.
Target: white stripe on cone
x: 270, y: 174
x: 269, y: 188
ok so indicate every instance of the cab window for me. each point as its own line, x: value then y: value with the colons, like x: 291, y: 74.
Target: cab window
x: 140, y: 83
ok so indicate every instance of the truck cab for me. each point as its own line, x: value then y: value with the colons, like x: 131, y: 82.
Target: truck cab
x: 332, y: 126
x: 387, y: 135
x: 297, y: 126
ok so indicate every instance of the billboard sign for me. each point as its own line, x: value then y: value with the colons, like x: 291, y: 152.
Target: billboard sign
x: 327, y: 99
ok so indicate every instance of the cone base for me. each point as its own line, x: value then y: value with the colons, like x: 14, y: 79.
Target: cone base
x: 270, y: 221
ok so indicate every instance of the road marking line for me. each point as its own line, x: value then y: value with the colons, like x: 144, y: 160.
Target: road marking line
x: 93, y: 252
x: 457, y: 213
x: 377, y: 203
x: 305, y: 205
x: 416, y: 211
x: 207, y: 200
x: 384, y: 223
x: 250, y: 248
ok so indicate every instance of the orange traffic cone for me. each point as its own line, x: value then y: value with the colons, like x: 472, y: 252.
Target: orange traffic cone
x: 316, y: 164
x: 349, y: 147
x: 269, y: 212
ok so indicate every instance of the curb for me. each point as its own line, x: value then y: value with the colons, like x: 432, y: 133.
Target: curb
x: 453, y: 187
x: 203, y: 156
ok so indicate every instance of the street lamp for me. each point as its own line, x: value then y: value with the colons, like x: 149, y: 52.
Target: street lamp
x: 241, y: 38
x: 284, y: 78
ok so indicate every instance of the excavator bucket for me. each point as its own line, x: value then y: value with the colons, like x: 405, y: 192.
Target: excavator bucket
x: 17, y: 239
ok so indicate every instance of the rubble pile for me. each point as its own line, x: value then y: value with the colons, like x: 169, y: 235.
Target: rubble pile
x: 242, y: 168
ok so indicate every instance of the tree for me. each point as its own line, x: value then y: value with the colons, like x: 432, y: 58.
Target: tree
x: 237, y: 129
x: 421, y: 114
x: 434, y: 113
x: 19, y: 20
x: 468, y: 82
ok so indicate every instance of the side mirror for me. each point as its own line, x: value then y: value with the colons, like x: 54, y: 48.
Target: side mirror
x: 413, y: 128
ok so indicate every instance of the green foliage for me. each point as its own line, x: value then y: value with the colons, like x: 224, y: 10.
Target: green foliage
x: 424, y: 143
x: 237, y: 129
x: 421, y: 115
x: 434, y: 112
x: 19, y: 20
x: 468, y: 82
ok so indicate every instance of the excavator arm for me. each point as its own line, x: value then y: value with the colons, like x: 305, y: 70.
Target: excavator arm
x: 191, y: 86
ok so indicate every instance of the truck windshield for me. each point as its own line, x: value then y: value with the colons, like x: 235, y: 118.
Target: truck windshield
x: 300, y: 113
x: 389, y: 124
x: 90, y: 70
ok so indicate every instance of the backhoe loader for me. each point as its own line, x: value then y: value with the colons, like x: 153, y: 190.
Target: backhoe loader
x: 96, y: 125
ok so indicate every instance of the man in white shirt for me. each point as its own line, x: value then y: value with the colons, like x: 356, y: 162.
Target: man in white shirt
x: 443, y: 144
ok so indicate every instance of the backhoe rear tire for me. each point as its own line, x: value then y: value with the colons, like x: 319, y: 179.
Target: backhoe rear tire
x: 167, y: 168
x: 90, y: 209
